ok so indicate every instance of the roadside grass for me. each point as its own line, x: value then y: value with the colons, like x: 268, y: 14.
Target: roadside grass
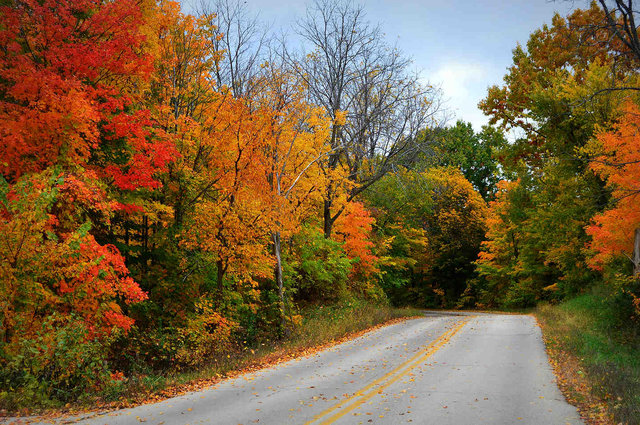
x: 596, y: 351
x: 321, y: 326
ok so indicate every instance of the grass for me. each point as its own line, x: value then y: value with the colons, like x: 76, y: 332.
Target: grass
x: 320, y: 327
x: 597, y: 350
x: 322, y: 324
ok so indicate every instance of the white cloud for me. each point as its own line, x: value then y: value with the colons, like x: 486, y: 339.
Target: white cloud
x: 463, y: 86
x: 456, y: 78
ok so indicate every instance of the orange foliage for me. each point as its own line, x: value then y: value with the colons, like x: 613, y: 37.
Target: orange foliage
x: 254, y: 167
x: 619, y: 163
x: 502, y: 234
x: 354, y: 228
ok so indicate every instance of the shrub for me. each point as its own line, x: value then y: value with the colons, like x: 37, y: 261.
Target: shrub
x: 60, y: 363
x: 205, y: 334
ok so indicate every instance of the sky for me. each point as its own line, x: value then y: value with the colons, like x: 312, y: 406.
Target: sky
x: 462, y: 46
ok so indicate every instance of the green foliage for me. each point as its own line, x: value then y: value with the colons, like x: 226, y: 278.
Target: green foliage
x: 435, y: 221
x: 318, y: 266
x: 537, y: 238
x: 475, y: 154
x: 60, y: 363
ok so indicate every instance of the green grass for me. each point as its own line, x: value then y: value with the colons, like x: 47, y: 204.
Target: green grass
x: 599, y: 331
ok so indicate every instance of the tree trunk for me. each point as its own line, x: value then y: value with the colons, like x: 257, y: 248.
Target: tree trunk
x: 145, y: 233
x: 277, y: 251
x: 328, y: 220
x: 636, y: 254
x: 220, y: 278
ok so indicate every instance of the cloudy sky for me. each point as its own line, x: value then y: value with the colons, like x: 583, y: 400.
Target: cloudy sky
x: 463, y: 46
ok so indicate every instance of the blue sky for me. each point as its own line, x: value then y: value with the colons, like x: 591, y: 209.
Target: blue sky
x: 464, y: 46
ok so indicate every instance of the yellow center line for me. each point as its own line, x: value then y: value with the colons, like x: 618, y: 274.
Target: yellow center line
x: 377, y: 381
x: 390, y: 377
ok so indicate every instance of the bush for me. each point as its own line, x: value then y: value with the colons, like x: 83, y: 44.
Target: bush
x: 205, y: 334
x: 201, y: 335
x: 521, y: 294
x: 59, y: 364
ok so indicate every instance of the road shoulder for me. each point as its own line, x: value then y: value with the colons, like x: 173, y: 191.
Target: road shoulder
x: 573, y: 383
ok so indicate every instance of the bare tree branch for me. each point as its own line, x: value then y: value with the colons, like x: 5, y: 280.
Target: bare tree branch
x: 351, y: 69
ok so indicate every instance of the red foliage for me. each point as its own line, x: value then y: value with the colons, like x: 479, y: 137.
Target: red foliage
x: 68, y: 80
x: 48, y: 267
x: 91, y: 283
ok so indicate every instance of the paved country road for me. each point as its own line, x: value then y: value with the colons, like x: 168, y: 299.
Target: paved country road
x: 441, y: 369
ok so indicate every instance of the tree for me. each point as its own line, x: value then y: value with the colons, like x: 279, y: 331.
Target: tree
x: 351, y: 70
x: 73, y: 142
x: 239, y: 35
x: 436, y: 222
x: 616, y: 231
x: 473, y: 153
x: 68, y: 81
x: 620, y: 21
x: 298, y: 142
x: 48, y: 268
x: 264, y: 177
x: 220, y: 141
x: 499, y: 263
x: 355, y: 230
x: 543, y: 100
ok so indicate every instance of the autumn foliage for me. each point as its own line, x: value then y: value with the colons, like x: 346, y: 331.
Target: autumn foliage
x: 159, y: 211
x: 148, y: 213
x: 613, y: 231
x: 565, y: 220
x: 433, y: 223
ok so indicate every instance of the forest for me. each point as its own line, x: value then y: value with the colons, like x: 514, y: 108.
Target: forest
x: 177, y: 188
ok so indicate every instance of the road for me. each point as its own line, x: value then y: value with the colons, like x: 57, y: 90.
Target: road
x: 440, y: 369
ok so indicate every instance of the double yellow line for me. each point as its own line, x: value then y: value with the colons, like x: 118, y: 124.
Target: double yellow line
x: 361, y: 396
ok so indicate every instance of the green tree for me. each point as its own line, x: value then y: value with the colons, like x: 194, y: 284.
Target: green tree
x: 473, y: 153
x: 547, y: 100
x: 436, y: 222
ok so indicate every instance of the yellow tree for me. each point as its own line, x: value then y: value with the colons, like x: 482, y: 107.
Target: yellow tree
x: 211, y: 186
x: 297, y: 142
x: 232, y: 213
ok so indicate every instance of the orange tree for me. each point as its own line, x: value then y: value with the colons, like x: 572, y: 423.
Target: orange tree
x: 616, y: 231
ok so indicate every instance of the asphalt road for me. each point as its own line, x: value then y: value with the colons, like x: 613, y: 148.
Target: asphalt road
x: 441, y: 369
